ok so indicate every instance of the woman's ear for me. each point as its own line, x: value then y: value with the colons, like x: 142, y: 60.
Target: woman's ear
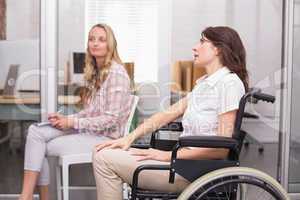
x: 217, y: 51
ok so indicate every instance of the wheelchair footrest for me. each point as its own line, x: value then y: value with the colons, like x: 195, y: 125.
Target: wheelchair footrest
x: 140, y: 193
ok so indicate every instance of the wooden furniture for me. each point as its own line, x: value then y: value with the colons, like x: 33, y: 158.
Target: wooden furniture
x: 27, y: 106
x: 184, y: 76
x: 2, y: 19
x: 129, y: 66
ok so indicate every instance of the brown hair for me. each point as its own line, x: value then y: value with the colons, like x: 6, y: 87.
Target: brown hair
x: 93, y: 76
x: 231, y: 50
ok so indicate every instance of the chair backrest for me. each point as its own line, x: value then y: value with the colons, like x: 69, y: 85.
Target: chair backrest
x: 239, y: 134
x: 131, y: 114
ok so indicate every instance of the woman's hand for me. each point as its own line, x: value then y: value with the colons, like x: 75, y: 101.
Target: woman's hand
x: 60, y: 121
x: 122, y: 143
x: 151, y: 154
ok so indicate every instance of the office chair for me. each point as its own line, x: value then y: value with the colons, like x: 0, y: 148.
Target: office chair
x: 193, y: 169
x: 66, y: 160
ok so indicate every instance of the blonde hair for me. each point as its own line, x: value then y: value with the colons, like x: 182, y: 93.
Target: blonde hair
x: 93, y: 76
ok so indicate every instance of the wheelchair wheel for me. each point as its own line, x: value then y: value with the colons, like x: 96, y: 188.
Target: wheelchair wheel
x: 234, y: 183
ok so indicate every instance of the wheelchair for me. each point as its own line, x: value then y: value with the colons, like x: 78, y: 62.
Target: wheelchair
x: 221, y: 179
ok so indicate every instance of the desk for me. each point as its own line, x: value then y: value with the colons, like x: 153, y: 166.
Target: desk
x: 19, y: 109
x: 27, y: 106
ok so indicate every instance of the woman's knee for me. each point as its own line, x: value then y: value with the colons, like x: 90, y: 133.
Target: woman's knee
x: 35, y: 133
x: 103, y: 157
x: 98, y: 157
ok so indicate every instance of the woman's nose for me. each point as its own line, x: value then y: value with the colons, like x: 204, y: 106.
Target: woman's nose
x: 195, y: 47
x: 95, y: 43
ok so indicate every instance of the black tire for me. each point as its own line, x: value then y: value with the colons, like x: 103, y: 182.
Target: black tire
x: 235, y: 183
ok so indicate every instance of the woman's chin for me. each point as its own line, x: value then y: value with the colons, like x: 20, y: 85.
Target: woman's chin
x: 98, y: 55
x: 198, y: 64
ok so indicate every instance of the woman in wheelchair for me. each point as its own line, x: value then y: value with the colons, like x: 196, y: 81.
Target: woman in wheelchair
x: 210, y: 109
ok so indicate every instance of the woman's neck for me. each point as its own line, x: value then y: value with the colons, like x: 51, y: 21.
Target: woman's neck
x: 213, y: 67
x: 100, y: 62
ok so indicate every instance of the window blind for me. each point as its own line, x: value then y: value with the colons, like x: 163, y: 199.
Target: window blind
x: 135, y: 24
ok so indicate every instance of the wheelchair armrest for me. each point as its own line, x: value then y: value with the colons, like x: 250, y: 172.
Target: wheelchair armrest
x: 172, y: 126
x: 208, y: 141
x: 141, y: 146
x: 146, y: 167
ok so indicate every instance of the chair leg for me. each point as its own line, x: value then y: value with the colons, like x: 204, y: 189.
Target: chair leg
x: 250, y: 139
x: 58, y: 182
x: 65, y: 180
x: 125, y: 191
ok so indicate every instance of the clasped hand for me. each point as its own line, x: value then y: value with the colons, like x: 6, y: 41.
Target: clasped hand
x: 60, y: 121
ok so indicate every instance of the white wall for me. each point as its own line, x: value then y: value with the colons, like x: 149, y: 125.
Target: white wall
x: 257, y: 22
x: 189, y: 19
x: 22, y: 44
x: 70, y: 30
x: 176, y: 41
x: 22, y: 19
x: 259, y: 25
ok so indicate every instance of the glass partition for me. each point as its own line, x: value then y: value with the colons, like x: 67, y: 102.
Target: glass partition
x: 19, y: 86
x: 294, y: 158
x: 71, y: 48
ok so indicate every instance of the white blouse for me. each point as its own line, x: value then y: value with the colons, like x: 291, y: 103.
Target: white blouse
x: 212, y: 95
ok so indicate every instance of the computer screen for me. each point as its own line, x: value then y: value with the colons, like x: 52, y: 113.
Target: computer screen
x: 77, y: 60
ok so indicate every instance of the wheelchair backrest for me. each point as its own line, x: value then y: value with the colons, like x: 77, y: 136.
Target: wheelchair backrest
x: 238, y: 133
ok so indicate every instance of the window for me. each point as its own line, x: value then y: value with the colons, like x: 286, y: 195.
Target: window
x: 135, y: 24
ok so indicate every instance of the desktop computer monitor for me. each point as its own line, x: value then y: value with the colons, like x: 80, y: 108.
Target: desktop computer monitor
x: 77, y: 62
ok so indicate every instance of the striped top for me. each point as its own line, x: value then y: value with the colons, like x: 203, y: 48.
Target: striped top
x: 107, y: 111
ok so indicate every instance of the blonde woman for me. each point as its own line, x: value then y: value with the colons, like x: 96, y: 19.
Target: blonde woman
x: 107, y: 102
